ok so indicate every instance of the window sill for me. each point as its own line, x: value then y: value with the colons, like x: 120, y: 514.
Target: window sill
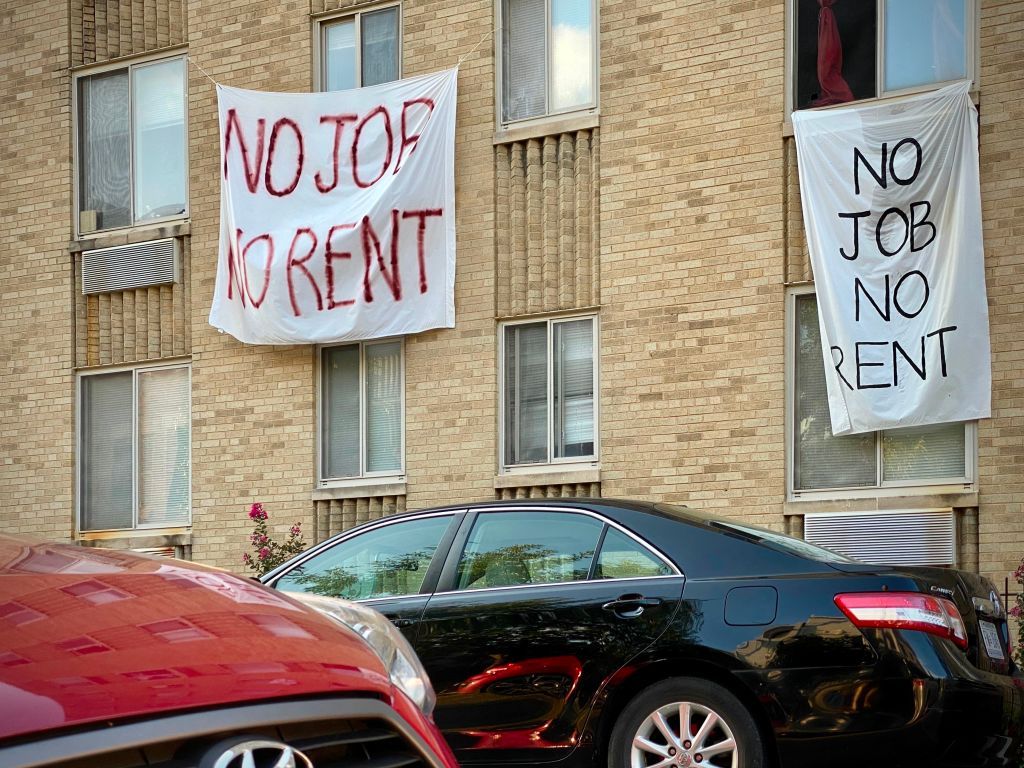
x: 547, y: 126
x: 130, y: 235
x: 360, y: 489
x: 552, y: 474
x: 138, y: 539
x: 883, y: 499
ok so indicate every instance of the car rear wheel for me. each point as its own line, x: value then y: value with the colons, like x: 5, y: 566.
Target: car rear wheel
x: 685, y: 723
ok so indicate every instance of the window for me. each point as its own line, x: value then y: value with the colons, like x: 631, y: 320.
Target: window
x: 852, y: 49
x: 359, y: 50
x: 134, y: 443
x: 929, y: 455
x: 508, y: 549
x: 131, y: 145
x: 549, y: 385
x: 361, y: 410
x: 548, y: 57
x: 383, y: 562
x: 624, y: 558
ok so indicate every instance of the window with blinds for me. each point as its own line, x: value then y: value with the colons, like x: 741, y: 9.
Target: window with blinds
x: 131, y: 145
x: 360, y: 49
x: 914, y: 455
x: 547, y: 57
x: 548, y: 391
x: 361, y: 423
x: 134, y: 449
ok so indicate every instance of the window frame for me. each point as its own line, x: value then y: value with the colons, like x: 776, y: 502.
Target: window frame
x: 505, y: 467
x: 77, y: 75
x: 79, y: 425
x: 364, y: 477
x: 322, y: 22
x: 971, y: 34
x: 548, y: 116
x: 965, y: 484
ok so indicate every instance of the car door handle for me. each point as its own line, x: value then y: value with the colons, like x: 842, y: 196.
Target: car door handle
x: 630, y: 606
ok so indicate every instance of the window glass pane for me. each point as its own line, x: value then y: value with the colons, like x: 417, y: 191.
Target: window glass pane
x: 623, y: 558
x: 572, y: 54
x: 574, y: 388
x: 340, y: 55
x: 106, y: 452
x: 526, y: 393
x: 820, y: 459
x: 104, y: 167
x: 835, y: 52
x: 924, y: 42
x: 380, y: 46
x: 391, y: 560
x: 921, y: 453
x: 383, y: 407
x: 164, y: 447
x: 510, y: 548
x: 341, y: 426
x: 523, y: 58
x: 158, y: 93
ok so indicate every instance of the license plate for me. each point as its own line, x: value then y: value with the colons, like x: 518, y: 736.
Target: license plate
x: 993, y: 644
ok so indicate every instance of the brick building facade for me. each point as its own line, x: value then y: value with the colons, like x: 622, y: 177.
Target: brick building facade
x: 661, y: 207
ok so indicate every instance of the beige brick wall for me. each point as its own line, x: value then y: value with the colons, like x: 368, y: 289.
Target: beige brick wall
x: 679, y: 216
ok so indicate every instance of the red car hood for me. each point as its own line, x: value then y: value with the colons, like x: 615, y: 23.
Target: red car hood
x: 89, y: 634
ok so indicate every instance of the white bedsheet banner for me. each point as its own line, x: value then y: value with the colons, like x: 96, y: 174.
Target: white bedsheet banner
x: 337, y: 212
x: 892, y: 209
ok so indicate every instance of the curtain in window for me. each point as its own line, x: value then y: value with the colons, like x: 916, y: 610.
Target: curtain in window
x: 106, y: 452
x: 158, y: 94
x: 924, y: 42
x: 821, y: 459
x: 341, y: 425
x: 104, y: 185
x: 383, y: 407
x: 379, y: 32
x: 574, y: 388
x: 524, y: 61
x: 163, y: 447
x: 340, y: 56
x: 526, y: 392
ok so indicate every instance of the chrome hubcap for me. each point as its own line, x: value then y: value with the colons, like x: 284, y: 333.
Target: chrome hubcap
x: 684, y: 735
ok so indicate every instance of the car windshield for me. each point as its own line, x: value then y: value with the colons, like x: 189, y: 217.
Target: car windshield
x: 787, y: 543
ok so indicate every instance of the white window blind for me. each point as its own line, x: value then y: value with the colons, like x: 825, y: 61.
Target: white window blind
x: 524, y: 58
x: 383, y: 407
x: 163, y: 447
x: 526, y: 393
x: 574, y: 388
x: 914, y: 454
x: 899, y: 537
x: 379, y: 31
x: 925, y: 42
x: 106, y: 452
x: 158, y: 93
x: 103, y: 154
x: 342, y: 425
x: 340, y: 55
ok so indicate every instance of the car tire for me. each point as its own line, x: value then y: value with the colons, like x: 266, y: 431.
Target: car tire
x: 648, y: 731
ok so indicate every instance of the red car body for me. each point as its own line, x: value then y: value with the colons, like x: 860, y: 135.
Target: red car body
x: 90, y: 638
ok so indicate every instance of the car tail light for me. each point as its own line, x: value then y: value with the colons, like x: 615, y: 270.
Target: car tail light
x: 905, y: 610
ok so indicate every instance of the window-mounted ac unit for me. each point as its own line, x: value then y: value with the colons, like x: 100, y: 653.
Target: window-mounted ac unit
x: 158, y: 551
x: 124, y: 267
x: 896, y: 537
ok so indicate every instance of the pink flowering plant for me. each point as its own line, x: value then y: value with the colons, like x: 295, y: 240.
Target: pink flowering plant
x: 1017, y: 612
x: 267, y: 553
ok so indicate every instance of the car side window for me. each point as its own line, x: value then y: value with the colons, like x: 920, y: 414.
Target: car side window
x: 512, y: 548
x: 383, y: 562
x: 623, y: 558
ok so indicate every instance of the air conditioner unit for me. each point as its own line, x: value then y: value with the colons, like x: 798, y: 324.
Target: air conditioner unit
x: 893, y: 537
x: 158, y: 551
x: 124, y: 267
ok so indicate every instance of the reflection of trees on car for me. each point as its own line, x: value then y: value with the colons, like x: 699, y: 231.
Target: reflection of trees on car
x: 522, y: 564
x: 398, y: 574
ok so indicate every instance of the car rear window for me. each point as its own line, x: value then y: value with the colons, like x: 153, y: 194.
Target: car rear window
x: 781, y: 541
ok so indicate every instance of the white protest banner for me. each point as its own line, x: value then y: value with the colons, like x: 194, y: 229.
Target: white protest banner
x: 892, y: 208
x: 337, y: 212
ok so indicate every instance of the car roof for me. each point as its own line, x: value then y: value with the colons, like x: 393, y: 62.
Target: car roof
x: 88, y: 634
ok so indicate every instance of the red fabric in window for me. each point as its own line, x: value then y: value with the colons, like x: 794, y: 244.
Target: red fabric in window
x: 834, y: 89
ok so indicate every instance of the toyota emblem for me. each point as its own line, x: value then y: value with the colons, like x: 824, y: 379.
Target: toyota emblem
x: 255, y: 752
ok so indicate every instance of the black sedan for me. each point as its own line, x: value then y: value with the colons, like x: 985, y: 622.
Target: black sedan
x: 596, y: 632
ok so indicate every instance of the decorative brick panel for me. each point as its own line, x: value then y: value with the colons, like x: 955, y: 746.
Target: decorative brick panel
x: 336, y: 515
x: 109, y: 29
x: 561, y: 491
x: 546, y: 230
